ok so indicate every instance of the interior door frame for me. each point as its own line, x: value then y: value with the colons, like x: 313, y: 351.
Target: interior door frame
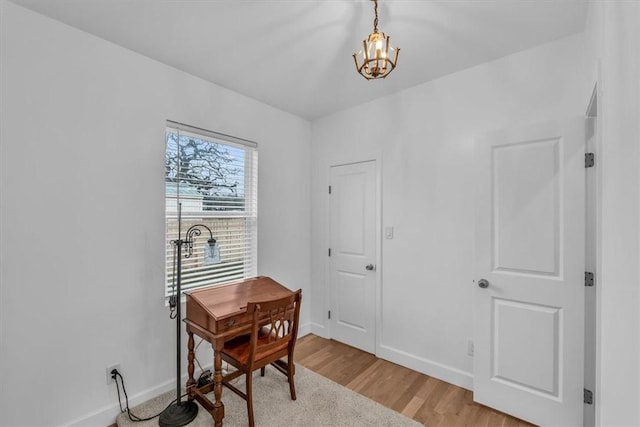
x: 376, y: 158
x: 594, y: 236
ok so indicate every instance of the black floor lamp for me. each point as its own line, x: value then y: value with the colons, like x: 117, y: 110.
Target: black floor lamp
x: 182, y: 413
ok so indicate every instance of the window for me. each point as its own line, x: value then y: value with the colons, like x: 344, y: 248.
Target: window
x: 212, y: 179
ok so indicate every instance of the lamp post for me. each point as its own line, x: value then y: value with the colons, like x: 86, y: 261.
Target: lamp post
x: 181, y: 413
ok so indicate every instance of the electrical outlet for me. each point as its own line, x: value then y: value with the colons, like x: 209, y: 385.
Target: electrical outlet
x: 470, y: 348
x: 110, y: 368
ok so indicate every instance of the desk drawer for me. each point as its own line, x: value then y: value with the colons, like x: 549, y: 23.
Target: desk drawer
x: 241, y: 321
x: 201, y: 317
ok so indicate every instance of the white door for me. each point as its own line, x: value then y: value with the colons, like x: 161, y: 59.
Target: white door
x: 352, y: 257
x: 530, y: 228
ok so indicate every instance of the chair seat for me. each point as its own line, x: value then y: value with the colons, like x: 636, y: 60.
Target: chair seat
x: 238, y: 347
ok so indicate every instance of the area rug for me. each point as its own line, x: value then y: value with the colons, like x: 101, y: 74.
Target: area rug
x: 321, y: 402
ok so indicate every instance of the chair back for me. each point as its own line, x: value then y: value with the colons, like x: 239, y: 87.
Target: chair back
x: 275, y: 325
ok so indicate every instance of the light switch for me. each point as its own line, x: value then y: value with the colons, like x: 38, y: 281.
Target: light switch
x: 388, y: 232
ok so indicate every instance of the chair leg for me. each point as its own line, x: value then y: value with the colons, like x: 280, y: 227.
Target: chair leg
x: 262, y: 371
x: 291, y: 370
x: 250, y: 398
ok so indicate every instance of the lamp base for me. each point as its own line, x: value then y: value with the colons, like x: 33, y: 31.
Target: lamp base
x: 178, y: 415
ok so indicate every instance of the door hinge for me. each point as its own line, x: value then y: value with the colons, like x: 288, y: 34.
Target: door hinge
x: 588, y: 279
x: 329, y: 314
x: 329, y: 251
x: 329, y: 189
x: 588, y: 397
x: 589, y: 160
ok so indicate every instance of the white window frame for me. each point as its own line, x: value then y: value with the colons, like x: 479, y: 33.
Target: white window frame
x: 235, y: 230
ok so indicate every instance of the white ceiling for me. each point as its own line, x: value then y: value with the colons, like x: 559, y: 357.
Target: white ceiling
x: 296, y: 54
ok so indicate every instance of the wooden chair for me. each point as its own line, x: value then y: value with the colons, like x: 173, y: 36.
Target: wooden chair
x: 273, y: 336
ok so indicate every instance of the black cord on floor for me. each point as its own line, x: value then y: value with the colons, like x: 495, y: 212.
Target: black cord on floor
x: 133, y: 417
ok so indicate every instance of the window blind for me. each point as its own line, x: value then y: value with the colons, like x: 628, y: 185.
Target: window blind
x: 213, y: 178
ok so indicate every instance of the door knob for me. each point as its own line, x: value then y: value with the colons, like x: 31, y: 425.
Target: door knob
x: 483, y: 283
x: 370, y: 267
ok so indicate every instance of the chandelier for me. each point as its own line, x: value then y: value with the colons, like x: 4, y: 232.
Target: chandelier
x: 377, y: 59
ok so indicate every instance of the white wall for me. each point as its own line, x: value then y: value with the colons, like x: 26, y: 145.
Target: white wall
x: 82, y: 205
x: 82, y: 131
x: 613, y: 35
x: 424, y: 139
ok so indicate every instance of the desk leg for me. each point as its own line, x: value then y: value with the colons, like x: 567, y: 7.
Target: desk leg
x: 190, y: 368
x: 218, y: 406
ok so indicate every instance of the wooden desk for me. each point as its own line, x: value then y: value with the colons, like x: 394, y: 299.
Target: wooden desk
x: 218, y: 314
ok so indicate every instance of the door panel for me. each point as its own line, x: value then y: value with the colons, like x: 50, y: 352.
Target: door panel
x: 526, y: 207
x: 529, y: 321
x: 348, y: 310
x: 349, y: 193
x: 353, y: 247
x: 525, y: 338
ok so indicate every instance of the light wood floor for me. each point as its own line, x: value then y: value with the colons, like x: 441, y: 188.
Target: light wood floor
x: 427, y: 400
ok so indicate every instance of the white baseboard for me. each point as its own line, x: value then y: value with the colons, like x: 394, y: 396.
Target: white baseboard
x: 437, y: 370
x: 107, y: 415
x: 304, y: 329
x: 319, y: 330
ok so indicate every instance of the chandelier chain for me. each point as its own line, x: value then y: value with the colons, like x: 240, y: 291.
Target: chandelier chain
x: 375, y: 21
